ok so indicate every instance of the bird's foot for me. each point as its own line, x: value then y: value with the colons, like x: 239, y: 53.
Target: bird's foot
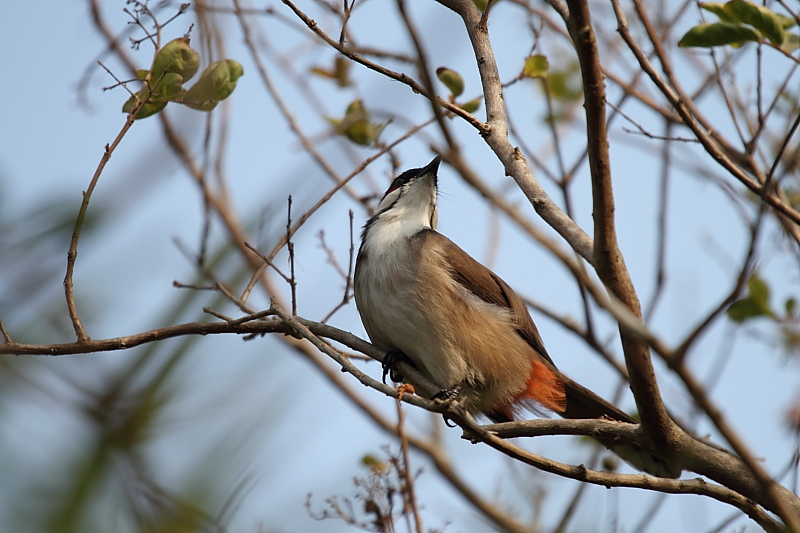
x: 390, y: 360
x: 449, y: 394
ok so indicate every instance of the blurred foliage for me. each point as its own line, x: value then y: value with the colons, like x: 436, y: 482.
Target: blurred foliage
x: 536, y: 66
x: 756, y: 304
x: 340, y: 72
x: 106, y: 478
x: 357, y: 125
x: 741, y: 22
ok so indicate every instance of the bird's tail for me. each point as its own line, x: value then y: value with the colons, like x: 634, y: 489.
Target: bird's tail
x: 584, y: 404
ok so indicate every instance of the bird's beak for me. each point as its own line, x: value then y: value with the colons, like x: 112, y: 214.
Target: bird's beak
x: 431, y: 167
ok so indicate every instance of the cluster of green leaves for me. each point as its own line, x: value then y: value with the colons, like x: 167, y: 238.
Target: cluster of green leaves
x: 741, y: 22
x: 174, y: 65
x: 756, y: 304
x: 357, y: 124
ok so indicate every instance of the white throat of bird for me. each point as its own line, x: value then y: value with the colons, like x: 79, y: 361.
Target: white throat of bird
x: 408, y: 207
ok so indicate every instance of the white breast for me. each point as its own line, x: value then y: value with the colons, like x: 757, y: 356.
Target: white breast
x: 392, y: 295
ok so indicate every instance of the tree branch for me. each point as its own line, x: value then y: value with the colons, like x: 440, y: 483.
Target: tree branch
x: 496, y: 135
x: 609, y: 263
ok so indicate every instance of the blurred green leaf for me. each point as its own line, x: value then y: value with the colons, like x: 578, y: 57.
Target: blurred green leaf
x: 759, y: 290
x: 216, y: 83
x: 452, y: 80
x: 565, y: 84
x: 719, y: 10
x: 718, y: 34
x: 169, y: 87
x: 374, y: 464
x: 755, y: 304
x: 791, y: 42
x: 340, y: 71
x: 472, y: 105
x: 741, y: 22
x: 744, y: 309
x: 356, y: 125
x: 790, y: 305
x: 759, y: 17
x: 536, y: 66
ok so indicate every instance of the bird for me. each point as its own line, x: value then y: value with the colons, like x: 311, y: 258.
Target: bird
x: 427, y: 302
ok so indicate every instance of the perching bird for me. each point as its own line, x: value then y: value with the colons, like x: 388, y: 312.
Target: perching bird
x: 423, y: 298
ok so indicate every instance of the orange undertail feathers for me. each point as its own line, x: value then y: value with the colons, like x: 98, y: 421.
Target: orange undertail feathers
x: 544, y: 390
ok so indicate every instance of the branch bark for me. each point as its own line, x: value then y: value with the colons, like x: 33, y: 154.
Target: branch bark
x: 661, y: 432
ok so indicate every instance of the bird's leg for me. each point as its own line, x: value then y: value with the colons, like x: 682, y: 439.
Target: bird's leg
x: 450, y: 393
x: 390, y: 360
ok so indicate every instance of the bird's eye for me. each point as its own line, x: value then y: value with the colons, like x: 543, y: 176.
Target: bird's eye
x: 396, y: 184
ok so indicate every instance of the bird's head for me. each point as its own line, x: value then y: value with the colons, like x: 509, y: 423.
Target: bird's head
x: 409, y: 204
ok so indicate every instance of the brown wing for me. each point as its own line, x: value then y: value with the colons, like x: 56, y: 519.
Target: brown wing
x: 580, y: 402
x: 490, y: 288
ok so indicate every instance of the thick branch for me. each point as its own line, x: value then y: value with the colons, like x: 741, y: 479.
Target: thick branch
x: 609, y: 263
x: 497, y: 134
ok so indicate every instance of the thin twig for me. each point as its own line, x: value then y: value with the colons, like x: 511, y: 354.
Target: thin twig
x: 405, y: 473
x: 290, y: 247
x: 72, y: 253
x: 327, y: 196
x: 402, y: 78
x: 348, y: 276
x: 6, y: 336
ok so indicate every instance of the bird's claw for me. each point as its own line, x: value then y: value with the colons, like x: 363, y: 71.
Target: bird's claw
x: 389, y: 363
x: 448, y: 394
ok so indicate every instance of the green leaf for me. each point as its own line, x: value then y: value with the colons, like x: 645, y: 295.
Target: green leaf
x: 744, y: 309
x: 452, y: 80
x: 472, y: 105
x: 565, y: 85
x: 786, y: 22
x: 755, y: 304
x: 340, y: 71
x: 791, y: 42
x: 759, y: 17
x: 169, y: 87
x: 719, y: 10
x: 356, y: 125
x: 759, y: 290
x: 375, y: 464
x: 718, y: 34
x: 146, y: 110
x: 216, y: 83
x: 178, y: 57
x: 536, y: 66
x: 790, y: 305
